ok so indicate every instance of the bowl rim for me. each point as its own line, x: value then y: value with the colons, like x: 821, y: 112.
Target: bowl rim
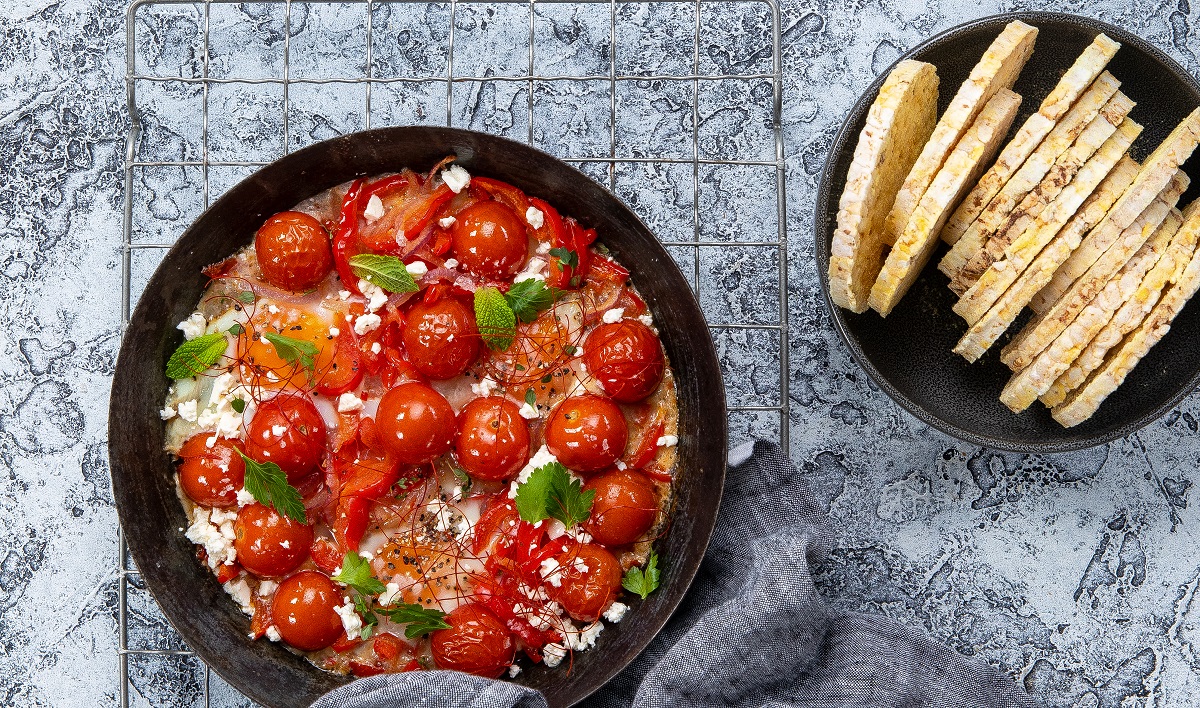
x: 822, y: 246
x: 681, y: 576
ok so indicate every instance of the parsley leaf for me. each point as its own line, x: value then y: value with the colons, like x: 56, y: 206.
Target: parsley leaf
x: 268, y: 484
x: 528, y: 298
x: 495, y: 319
x: 643, y: 581
x: 238, y: 405
x: 420, y: 620
x: 568, y: 258
x: 195, y: 355
x: 356, y: 572
x: 297, y: 352
x: 362, y: 605
x: 388, y: 272
x: 551, y: 492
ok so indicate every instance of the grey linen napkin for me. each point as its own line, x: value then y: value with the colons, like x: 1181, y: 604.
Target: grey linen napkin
x: 752, y: 631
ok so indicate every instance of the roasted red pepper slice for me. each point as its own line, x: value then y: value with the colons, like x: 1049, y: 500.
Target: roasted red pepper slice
x: 419, y: 215
x: 367, y: 480
x: 362, y: 669
x: 262, y: 616
x: 647, y: 449
x: 345, y: 239
x: 344, y: 644
x: 608, y: 270
x: 504, y: 193
x: 388, y: 646
x: 576, y: 239
x: 386, y: 185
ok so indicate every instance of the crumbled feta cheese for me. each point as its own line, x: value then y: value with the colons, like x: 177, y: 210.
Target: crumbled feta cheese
x: 446, y: 221
x: 374, y: 210
x: 216, y: 535
x: 166, y: 413
x: 349, y: 403
x: 513, y: 670
x: 585, y: 639
x: 239, y: 590
x: 376, y: 297
x: 278, y: 430
x: 273, y: 633
x: 343, y: 294
x: 219, y: 416
x: 334, y: 331
x: 390, y: 594
x: 451, y: 263
x: 187, y: 410
x: 543, y: 248
x: 550, y: 572
x: 267, y: 587
x: 668, y: 441
x: 579, y: 534
x: 245, y: 498
x: 376, y: 347
x: 351, y: 622
x: 646, y: 320
x: 616, y: 314
x: 273, y: 309
x: 417, y: 268
x: 555, y: 529
x: 484, y: 387
x: 527, y: 411
x: 535, y: 217
x: 193, y: 326
x: 616, y: 612
x: 581, y: 565
x: 553, y: 654
x: 542, y: 457
x: 534, y: 270
x: 367, y: 323
x: 620, y: 464
x: 456, y: 178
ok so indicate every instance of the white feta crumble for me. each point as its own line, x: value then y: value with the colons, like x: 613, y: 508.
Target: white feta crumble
x: 615, y: 314
x: 167, y: 413
x: 390, y: 594
x: 215, y: 534
x: 456, y: 178
x: 193, y: 326
x: 343, y: 294
x: 267, y: 587
x: 553, y: 654
x: 349, y: 403
x: 239, y: 590
x: 273, y: 633
x: 616, y: 612
x: 668, y: 441
x: 579, y: 534
x: 485, y: 386
x: 219, y: 416
x: 273, y: 309
x: 376, y: 297
x: 586, y: 638
x: 550, y: 572
x: 513, y: 670
x: 543, y: 248
x: 451, y: 263
x: 187, y: 410
x: 351, y: 622
x: 527, y: 411
x: 416, y: 268
x: 245, y: 498
x: 278, y: 430
x: 542, y: 457
x: 446, y: 221
x: 535, y: 217
x: 367, y: 323
x: 580, y: 565
x: 620, y: 464
x: 334, y: 331
x: 374, y: 210
x: 376, y: 347
x: 646, y: 320
x: 534, y: 270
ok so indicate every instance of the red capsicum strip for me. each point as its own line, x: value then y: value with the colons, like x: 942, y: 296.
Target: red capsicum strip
x: 345, y: 239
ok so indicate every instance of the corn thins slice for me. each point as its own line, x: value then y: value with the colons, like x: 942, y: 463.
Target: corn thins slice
x: 973, y: 152
x: 1026, y: 385
x: 1025, y: 179
x: 1133, y: 311
x: 997, y: 69
x: 1062, y: 172
x: 1156, y: 172
x: 898, y: 124
x: 1083, y: 401
x: 988, y: 329
x: 1016, y: 256
x: 1073, y: 83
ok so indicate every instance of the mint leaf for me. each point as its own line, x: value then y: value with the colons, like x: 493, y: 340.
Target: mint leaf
x: 420, y: 620
x: 245, y: 296
x: 388, y: 272
x: 297, y: 352
x: 528, y: 298
x: 194, y: 356
x: 356, y: 573
x: 531, y: 398
x: 495, y: 319
x: 643, y: 581
x: 550, y: 492
x: 568, y: 258
x: 268, y: 484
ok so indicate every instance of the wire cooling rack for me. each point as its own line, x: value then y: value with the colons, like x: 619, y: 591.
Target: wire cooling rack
x: 674, y: 105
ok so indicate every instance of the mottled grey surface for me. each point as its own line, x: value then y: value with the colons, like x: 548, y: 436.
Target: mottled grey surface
x: 1075, y: 574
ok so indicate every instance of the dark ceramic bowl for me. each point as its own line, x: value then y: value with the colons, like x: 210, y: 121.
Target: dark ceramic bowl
x: 909, y: 354
x: 150, y: 512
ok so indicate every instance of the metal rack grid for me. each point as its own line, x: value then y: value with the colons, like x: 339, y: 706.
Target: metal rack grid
x: 600, y: 167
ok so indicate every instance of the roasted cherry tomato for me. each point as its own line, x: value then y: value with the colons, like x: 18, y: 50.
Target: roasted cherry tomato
x: 440, y: 338
x: 211, y: 476
x: 415, y: 423
x: 494, y: 440
x: 476, y: 643
x: 303, y: 610
x: 268, y: 543
x: 489, y: 239
x: 623, y: 509
x: 587, y: 433
x: 293, y: 251
x: 289, y: 431
x: 589, y: 580
x: 626, y: 358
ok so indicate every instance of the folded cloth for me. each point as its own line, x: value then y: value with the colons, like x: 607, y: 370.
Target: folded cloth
x: 752, y: 631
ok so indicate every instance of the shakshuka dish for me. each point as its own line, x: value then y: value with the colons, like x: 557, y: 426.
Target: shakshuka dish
x: 424, y: 421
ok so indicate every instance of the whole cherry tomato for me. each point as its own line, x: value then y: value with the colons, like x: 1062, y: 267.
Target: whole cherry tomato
x: 441, y: 338
x: 589, y: 580
x: 623, y: 509
x: 415, y: 423
x: 289, y: 431
x: 626, y: 358
x: 211, y: 476
x: 268, y: 543
x: 494, y: 440
x: 304, y: 612
x: 476, y: 643
x: 489, y: 239
x: 293, y: 251
x: 587, y: 433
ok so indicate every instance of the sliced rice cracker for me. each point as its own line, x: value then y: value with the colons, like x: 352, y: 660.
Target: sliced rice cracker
x: 1073, y: 83
x: 997, y: 69
x: 969, y: 158
x: 898, y: 124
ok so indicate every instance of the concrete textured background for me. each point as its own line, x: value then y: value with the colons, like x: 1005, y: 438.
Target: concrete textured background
x: 1075, y: 574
